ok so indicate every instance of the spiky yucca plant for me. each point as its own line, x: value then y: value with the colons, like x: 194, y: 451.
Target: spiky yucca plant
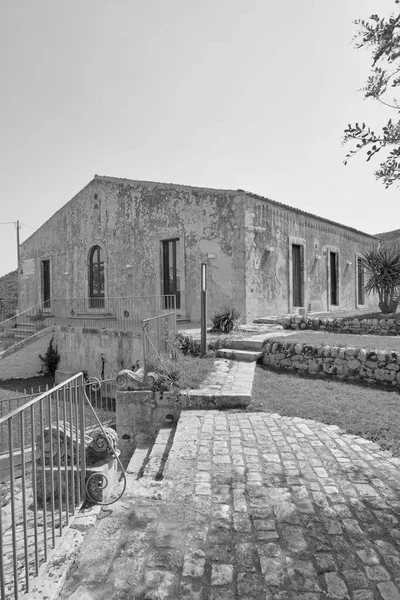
x: 225, y: 320
x: 383, y: 271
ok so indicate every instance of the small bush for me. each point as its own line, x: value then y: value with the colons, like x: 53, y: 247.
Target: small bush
x: 180, y: 372
x: 189, y: 345
x: 186, y: 344
x: 50, y: 360
x: 225, y: 320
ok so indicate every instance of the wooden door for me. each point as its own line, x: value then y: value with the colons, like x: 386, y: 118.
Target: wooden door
x: 334, y: 271
x: 297, y: 275
x: 172, y: 269
x: 46, y: 283
x: 360, y: 282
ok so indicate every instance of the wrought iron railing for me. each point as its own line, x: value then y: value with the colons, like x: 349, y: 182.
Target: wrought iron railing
x: 157, y: 332
x: 123, y: 314
x: 8, y: 404
x: 8, y: 309
x: 42, y: 480
x: 101, y: 395
x: 24, y: 324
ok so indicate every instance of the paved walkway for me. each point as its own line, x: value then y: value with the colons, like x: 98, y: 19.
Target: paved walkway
x: 252, y: 506
x: 230, y: 383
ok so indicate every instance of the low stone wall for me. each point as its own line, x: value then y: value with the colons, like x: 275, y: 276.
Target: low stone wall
x: 92, y: 350
x: 342, y: 324
x: 368, y: 366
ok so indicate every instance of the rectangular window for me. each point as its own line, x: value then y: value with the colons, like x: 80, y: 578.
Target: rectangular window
x: 297, y: 275
x: 360, y: 281
x: 334, y: 279
x: 171, y: 262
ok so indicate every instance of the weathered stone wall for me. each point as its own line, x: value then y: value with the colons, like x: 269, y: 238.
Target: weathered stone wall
x: 22, y: 360
x: 83, y: 349
x: 270, y: 231
x: 129, y: 220
x: 245, y: 240
x: 139, y: 417
x: 368, y: 366
x: 343, y: 325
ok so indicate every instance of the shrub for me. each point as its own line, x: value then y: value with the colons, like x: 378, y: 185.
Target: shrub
x: 186, y: 343
x: 190, y: 345
x: 383, y: 270
x: 225, y: 320
x: 180, y: 372
x: 50, y: 360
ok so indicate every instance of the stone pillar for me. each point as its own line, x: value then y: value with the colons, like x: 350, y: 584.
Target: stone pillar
x: 134, y: 420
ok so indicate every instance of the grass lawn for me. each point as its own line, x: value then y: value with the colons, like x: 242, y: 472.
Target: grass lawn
x: 192, y: 370
x: 370, y: 413
x: 323, y: 338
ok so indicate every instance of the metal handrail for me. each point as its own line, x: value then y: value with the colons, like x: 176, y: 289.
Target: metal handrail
x: 53, y: 474
x: 40, y: 397
x: 122, y: 313
x: 158, y: 317
x: 119, y: 297
x: 20, y: 314
x: 158, y: 345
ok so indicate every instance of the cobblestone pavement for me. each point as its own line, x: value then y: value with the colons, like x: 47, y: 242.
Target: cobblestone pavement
x: 252, y: 506
x: 228, y: 378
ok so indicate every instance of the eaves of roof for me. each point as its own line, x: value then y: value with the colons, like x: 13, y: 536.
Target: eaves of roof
x: 230, y: 192
x: 307, y: 214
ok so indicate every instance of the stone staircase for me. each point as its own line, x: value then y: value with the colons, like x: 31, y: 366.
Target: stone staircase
x: 244, y: 349
x: 23, y: 330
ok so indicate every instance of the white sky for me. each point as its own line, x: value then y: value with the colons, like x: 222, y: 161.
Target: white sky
x: 218, y: 93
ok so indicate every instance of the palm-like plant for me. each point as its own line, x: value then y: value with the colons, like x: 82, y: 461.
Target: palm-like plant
x: 225, y: 319
x: 383, y: 269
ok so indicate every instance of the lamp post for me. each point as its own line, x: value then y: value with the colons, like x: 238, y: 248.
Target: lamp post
x: 203, y: 317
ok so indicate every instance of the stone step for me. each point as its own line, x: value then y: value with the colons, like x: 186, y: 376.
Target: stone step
x: 273, y: 320
x: 240, y: 355
x: 253, y: 343
x: 20, y: 334
x: 206, y: 399
x: 93, y: 316
x: 154, y: 464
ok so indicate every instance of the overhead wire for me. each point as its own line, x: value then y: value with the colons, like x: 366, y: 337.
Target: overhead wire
x: 30, y: 227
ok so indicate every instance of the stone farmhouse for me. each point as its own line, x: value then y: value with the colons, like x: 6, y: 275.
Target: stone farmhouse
x: 119, y: 237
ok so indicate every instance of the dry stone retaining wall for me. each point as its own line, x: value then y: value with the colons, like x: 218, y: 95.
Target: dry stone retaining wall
x: 368, y: 366
x: 343, y: 324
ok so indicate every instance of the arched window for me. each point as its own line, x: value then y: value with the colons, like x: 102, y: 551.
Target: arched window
x: 96, y: 278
